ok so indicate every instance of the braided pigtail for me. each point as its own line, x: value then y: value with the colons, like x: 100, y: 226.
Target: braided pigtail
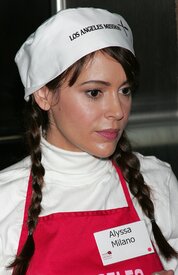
x: 130, y: 166
x: 22, y: 260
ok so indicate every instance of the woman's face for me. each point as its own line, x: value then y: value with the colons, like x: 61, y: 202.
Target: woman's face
x: 91, y: 115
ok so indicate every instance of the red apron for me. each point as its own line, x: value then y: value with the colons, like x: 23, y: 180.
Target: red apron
x: 65, y: 243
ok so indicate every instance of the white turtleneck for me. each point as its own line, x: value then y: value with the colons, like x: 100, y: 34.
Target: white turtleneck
x: 77, y: 181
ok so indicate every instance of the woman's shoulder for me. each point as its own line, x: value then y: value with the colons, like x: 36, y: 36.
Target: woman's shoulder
x: 14, y: 178
x: 153, y: 168
x: 155, y: 171
x: 13, y: 185
x: 15, y: 170
x: 152, y: 162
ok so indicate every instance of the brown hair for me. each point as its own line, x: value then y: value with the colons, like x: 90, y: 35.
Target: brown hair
x: 123, y: 156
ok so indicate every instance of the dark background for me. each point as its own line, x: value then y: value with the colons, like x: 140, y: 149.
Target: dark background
x: 153, y: 127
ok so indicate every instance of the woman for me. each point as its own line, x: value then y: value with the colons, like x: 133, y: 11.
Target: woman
x: 70, y: 209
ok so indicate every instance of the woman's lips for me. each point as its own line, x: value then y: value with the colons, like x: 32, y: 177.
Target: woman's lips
x: 110, y: 134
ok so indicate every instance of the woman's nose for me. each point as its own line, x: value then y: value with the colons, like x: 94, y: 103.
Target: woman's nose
x: 115, y: 109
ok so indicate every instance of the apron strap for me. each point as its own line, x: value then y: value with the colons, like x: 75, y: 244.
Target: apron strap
x: 125, y: 189
x: 28, y: 198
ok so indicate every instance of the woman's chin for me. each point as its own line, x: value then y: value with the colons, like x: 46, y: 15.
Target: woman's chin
x: 104, y: 152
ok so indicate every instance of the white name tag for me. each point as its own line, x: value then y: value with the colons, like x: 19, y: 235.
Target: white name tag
x: 123, y: 242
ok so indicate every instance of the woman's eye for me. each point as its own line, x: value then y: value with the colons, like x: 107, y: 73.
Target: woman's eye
x: 126, y: 91
x: 93, y: 93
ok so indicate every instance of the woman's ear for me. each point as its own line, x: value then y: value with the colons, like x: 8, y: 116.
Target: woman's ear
x: 43, y: 98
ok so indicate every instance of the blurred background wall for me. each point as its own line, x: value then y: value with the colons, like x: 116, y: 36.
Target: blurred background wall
x: 153, y: 126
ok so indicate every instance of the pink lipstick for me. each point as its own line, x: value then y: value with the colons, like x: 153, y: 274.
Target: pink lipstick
x: 110, y: 134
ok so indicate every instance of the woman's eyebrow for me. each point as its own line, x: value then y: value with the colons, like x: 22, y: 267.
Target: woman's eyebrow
x: 106, y: 83
x: 97, y: 82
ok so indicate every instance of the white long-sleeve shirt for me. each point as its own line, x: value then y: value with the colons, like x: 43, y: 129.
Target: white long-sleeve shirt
x: 76, y: 181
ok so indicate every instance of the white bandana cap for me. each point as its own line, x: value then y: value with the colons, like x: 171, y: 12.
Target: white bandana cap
x: 65, y: 38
